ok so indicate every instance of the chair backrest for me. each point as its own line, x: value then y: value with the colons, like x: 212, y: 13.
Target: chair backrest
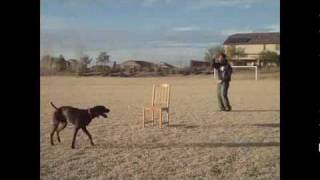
x: 161, y: 95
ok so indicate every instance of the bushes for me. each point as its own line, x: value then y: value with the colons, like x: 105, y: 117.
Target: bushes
x: 101, y: 69
x: 268, y: 58
x: 53, y: 64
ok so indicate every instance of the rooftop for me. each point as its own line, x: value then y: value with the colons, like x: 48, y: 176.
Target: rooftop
x: 253, y: 38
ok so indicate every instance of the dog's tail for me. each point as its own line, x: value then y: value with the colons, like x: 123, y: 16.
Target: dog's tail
x: 53, y: 106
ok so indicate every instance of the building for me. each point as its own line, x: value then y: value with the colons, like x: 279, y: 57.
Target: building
x: 137, y: 65
x: 253, y: 44
x: 164, y: 65
x: 199, y: 65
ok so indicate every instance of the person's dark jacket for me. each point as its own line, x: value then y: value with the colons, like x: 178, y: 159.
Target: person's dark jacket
x: 224, y: 70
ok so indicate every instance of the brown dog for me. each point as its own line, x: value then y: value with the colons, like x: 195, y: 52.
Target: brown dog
x: 80, y: 118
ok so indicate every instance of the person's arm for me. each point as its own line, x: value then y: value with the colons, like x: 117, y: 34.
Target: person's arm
x: 215, y: 65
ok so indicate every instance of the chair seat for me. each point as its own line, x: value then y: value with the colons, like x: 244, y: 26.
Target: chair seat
x: 156, y: 108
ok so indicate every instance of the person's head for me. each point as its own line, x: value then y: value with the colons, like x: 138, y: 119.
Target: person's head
x: 222, y: 57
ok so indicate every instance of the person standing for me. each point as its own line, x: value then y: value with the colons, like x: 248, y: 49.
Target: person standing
x: 224, y: 71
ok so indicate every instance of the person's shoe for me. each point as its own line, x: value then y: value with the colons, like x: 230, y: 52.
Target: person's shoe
x: 229, y: 108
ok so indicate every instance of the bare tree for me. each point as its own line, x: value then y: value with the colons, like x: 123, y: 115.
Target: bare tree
x: 212, y: 52
x: 83, y: 63
x: 46, y: 63
x: 233, y: 52
x: 103, y: 58
x: 60, y: 64
x: 85, y: 60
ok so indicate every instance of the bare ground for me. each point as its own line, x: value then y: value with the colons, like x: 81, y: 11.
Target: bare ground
x: 201, y: 143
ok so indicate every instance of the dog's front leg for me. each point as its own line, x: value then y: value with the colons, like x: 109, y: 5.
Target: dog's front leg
x: 88, y: 134
x: 76, y: 129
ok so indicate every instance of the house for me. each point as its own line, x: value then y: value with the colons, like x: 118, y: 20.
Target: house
x: 137, y: 65
x: 164, y: 65
x: 74, y: 65
x: 199, y: 65
x: 253, y: 44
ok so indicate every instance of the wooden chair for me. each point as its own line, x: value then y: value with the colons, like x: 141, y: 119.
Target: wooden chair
x: 160, y: 103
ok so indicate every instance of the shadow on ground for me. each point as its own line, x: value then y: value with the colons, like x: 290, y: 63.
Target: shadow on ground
x: 257, y: 110
x: 190, y: 145
x: 271, y: 125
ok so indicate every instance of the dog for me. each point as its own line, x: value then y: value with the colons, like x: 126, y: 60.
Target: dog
x: 80, y: 118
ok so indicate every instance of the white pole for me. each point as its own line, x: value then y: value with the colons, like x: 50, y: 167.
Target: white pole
x: 256, y: 73
x: 214, y: 73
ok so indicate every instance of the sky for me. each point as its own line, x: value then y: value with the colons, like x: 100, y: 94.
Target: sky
x: 173, y: 31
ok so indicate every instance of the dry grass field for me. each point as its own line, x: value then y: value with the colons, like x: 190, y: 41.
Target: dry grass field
x: 201, y: 142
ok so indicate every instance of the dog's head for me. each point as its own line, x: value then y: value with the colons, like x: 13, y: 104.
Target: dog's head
x: 99, y: 111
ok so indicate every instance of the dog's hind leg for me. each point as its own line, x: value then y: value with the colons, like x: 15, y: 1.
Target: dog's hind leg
x: 76, y: 129
x: 64, y: 124
x: 54, y: 128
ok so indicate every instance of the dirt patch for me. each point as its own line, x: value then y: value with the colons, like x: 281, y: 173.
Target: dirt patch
x: 200, y: 143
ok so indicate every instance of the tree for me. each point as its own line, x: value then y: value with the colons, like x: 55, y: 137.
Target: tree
x: 73, y: 65
x: 115, y: 67
x: 270, y: 57
x: 103, y: 58
x: 53, y: 64
x: 46, y: 62
x: 84, y: 61
x: 60, y: 63
x: 233, y: 52
x: 212, y: 52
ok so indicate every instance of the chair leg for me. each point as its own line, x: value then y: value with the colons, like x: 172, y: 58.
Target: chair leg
x: 168, y: 117
x: 152, y: 117
x: 160, y: 118
x: 143, y: 116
